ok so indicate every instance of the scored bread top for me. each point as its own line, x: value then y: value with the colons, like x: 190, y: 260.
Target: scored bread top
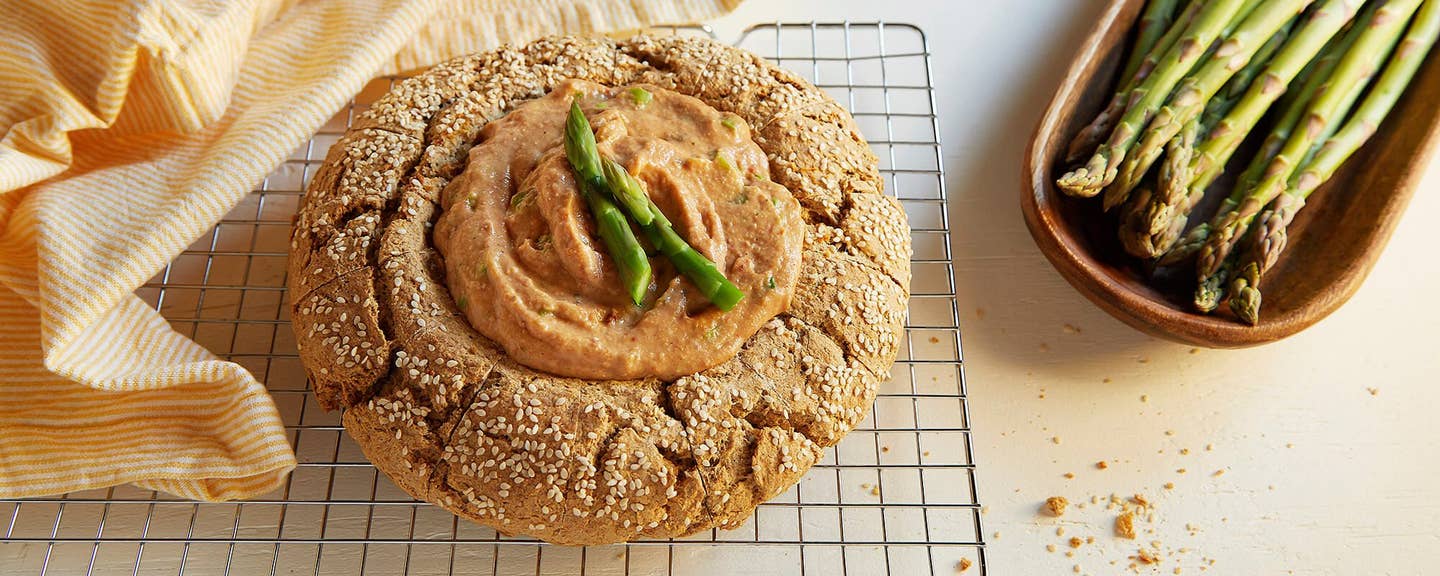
x: 452, y: 420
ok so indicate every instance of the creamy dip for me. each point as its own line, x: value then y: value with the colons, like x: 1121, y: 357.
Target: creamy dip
x: 524, y: 264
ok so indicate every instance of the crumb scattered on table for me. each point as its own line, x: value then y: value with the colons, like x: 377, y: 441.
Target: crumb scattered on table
x: 1071, y: 329
x: 1145, y: 556
x: 963, y: 565
x: 1075, y: 541
x: 1169, y: 485
x: 1050, y: 548
x: 980, y: 313
x: 1144, y: 397
x: 1220, y: 472
x: 1373, y: 391
x: 1055, y: 505
x: 934, y: 340
x: 1069, y: 475
x: 1125, y: 525
x: 1102, y: 465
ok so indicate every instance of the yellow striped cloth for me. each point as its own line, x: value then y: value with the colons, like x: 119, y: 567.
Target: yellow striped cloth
x: 131, y: 127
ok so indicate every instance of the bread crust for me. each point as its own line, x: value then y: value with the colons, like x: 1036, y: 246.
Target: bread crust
x: 452, y: 420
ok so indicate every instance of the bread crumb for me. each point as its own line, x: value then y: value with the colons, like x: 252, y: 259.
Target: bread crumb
x: 1125, y: 525
x: 1069, y: 475
x: 925, y: 453
x: 1209, y: 447
x: 1179, y: 470
x: 1144, y: 359
x: 884, y: 448
x: 1169, y: 485
x: 1059, y: 530
x: 1140, y: 500
x: 934, y: 340
x: 1194, y: 350
x: 1050, y: 548
x: 1075, y: 541
x: 1076, y: 568
x: 1220, y: 472
x: 1102, y: 465
x: 1071, y: 329
x: 1147, y: 557
x: 1089, y: 539
x: 980, y: 313
x: 984, y: 509
x: 963, y: 565
x: 996, y: 535
x: 1144, y: 397
x: 1373, y: 391
x: 1069, y: 553
x: 1169, y: 432
x: 1055, y: 505
x: 1106, y: 380
x: 875, y: 491
x: 1289, y: 445
x: 1055, y: 439
x: 1044, y: 347
x: 1184, y: 451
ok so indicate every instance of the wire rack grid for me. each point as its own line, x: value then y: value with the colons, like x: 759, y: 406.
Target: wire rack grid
x: 896, y: 496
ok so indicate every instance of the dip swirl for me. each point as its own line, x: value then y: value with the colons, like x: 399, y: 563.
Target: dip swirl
x: 525, y: 266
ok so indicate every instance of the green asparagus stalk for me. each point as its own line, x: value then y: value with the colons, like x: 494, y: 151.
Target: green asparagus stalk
x: 1135, y: 236
x: 1148, y: 96
x: 1245, y: 293
x: 614, y: 230
x: 1191, y: 96
x: 1322, y: 115
x: 1177, y: 171
x: 693, y: 265
x: 1092, y: 136
x: 1271, y: 238
x: 1153, y: 24
x: 1211, y: 291
x: 1317, y: 33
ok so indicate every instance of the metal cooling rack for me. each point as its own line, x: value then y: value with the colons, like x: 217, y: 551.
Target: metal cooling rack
x: 897, y: 496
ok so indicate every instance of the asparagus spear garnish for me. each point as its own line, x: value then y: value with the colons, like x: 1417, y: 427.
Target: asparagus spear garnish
x: 695, y: 266
x: 628, y: 192
x: 1094, y: 134
x: 1271, y: 237
x: 1324, y: 112
x: 1317, y: 32
x: 1148, y: 96
x: 614, y: 229
x: 1196, y: 90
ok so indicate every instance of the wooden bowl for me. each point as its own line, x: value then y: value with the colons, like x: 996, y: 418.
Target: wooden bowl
x: 1333, y: 243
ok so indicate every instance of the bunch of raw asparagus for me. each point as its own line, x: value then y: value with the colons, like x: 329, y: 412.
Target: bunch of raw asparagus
x: 1201, y: 76
x: 616, y: 199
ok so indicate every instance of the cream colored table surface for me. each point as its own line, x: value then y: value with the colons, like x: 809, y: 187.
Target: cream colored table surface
x: 1320, y: 475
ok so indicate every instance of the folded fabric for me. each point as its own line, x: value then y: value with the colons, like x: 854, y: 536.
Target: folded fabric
x: 130, y: 128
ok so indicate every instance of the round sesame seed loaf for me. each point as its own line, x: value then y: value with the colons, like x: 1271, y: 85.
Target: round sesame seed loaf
x: 452, y: 420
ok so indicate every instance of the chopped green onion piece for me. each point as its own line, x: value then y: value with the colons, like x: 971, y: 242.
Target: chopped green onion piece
x: 770, y: 282
x: 641, y: 96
